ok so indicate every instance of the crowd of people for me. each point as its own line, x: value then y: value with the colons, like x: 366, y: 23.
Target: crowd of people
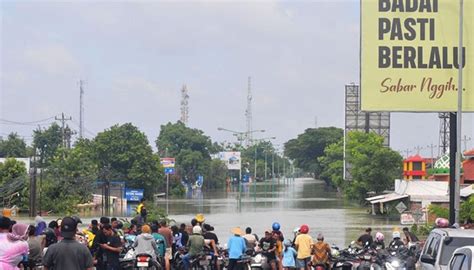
x: 61, y: 245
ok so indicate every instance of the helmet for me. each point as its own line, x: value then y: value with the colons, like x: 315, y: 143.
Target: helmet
x: 276, y: 226
x: 296, y: 230
x: 379, y: 236
x: 304, y: 228
x: 320, y: 237
x: 396, y: 234
x: 334, y: 253
x: 287, y: 243
x: 200, y: 218
x: 441, y: 223
x: 197, y: 229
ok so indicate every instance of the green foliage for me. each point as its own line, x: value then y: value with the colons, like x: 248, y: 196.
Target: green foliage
x: 13, y: 146
x: 467, y: 209
x: 422, y: 229
x: 14, y: 178
x: 47, y: 142
x: 374, y: 167
x: 123, y: 152
x: 333, y: 164
x: 192, y: 150
x: 309, y: 146
x: 438, y: 211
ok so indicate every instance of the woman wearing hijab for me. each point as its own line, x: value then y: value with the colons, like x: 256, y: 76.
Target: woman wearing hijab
x: 14, y: 247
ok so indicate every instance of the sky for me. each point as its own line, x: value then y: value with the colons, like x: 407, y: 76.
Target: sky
x: 134, y: 58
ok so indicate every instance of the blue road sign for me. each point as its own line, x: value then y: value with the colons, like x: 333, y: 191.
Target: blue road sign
x: 169, y: 170
x: 134, y: 195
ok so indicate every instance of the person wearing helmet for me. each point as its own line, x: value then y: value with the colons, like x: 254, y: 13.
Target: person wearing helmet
x: 278, y: 236
x: 396, y: 241
x: 200, y: 219
x: 289, y: 254
x: 321, y: 252
x: 379, y: 241
x: 195, y: 246
x: 303, y: 245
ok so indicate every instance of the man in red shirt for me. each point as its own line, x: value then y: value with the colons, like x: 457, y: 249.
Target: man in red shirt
x: 168, y: 235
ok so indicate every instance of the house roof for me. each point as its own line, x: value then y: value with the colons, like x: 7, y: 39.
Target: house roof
x: 469, y: 153
x: 467, y: 191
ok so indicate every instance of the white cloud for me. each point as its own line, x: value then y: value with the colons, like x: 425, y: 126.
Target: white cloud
x: 53, y: 59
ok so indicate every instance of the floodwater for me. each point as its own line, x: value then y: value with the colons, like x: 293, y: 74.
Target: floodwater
x: 289, y: 202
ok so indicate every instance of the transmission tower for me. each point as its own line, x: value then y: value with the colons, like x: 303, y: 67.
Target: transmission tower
x: 443, y: 133
x: 184, y: 105
x: 248, y: 114
x: 63, y: 120
x: 81, y: 109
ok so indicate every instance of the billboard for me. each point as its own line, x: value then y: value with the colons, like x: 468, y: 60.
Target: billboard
x: 231, y: 159
x: 409, y: 55
x: 167, y: 162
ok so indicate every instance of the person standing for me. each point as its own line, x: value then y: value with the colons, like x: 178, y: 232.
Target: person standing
x: 141, y: 211
x: 13, y: 247
x: 236, y: 246
x: 99, y: 239
x: 68, y: 254
x: 35, y: 255
x: 168, y: 235
x: 303, y: 245
x: 112, y: 248
x: 289, y: 254
x: 410, y: 237
x: 250, y: 238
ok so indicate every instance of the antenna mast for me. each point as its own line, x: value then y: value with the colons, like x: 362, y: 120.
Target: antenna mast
x: 248, y: 114
x: 81, y: 109
x: 184, y: 105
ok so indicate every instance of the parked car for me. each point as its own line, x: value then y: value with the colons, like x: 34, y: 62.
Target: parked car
x: 462, y: 259
x: 440, y: 246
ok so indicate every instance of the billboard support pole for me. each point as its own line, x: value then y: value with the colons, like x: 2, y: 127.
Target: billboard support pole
x: 459, y: 115
x: 452, y: 165
x: 167, y: 193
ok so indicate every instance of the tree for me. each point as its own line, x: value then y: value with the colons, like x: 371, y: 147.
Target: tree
x: 13, y: 146
x: 47, y: 142
x: 373, y: 166
x: 332, y: 164
x: 14, y: 178
x: 309, y: 146
x: 126, y: 152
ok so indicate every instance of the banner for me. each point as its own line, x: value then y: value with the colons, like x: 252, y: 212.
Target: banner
x: 167, y: 162
x: 231, y: 159
x: 134, y: 195
x: 409, y: 55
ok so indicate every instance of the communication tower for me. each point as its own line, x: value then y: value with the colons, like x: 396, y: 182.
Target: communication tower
x: 184, y: 105
x: 248, y: 114
x: 443, y: 133
x: 81, y: 109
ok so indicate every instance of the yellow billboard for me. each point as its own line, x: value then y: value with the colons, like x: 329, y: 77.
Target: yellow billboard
x: 409, y: 55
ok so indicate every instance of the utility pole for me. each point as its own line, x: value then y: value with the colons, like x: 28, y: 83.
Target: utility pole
x: 407, y: 152
x: 432, y: 147
x: 63, y: 120
x: 81, y: 109
x: 418, y: 148
x: 33, y: 188
x: 465, y: 140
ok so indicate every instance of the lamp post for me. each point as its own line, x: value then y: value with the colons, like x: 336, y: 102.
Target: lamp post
x: 240, y: 137
x: 255, y: 161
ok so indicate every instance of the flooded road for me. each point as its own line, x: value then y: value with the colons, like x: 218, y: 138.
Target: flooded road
x: 289, y: 202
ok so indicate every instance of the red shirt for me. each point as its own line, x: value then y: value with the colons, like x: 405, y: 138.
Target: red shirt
x: 167, y: 234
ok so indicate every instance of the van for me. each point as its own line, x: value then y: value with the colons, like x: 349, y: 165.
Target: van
x: 440, y: 246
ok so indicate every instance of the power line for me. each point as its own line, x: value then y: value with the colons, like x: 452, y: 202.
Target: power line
x: 29, y: 123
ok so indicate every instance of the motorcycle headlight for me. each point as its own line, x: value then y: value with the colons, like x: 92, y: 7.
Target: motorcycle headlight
x: 339, y: 264
x: 258, y: 258
x: 395, y: 264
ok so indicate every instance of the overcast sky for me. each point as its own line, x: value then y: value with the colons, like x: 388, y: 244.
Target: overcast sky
x: 135, y: 57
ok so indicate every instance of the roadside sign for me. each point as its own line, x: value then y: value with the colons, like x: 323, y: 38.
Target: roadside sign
x: 169, y: 170
x: 401, y: 207
x: 134, y: 195
x: 167, y: 162
x: 417, y: 215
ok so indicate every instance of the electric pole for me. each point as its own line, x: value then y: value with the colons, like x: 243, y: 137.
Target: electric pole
x: 63, y: 120
x: 418, y: 148
x: 432, y: 147
x: 81, y: 109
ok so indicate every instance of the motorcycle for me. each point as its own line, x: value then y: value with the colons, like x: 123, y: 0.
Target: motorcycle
x: 259, y: 262
x: 368, y: 261
x: 399, y: 258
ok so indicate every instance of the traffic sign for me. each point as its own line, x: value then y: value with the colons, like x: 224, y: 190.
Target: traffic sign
x: 169, y: 170
x: 401, y: 207
x: 167, y: 162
